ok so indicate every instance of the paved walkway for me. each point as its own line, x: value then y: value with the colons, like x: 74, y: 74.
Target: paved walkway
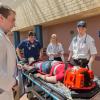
x: 24, y: 97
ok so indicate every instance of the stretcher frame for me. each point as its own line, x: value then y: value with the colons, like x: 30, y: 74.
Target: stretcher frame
x: 49, y: 91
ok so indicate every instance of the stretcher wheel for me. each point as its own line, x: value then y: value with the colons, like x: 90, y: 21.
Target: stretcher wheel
x: 30, y: 96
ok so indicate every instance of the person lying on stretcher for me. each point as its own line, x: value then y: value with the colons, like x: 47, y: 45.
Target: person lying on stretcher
x: 56, y: 73
x: 50, y: 71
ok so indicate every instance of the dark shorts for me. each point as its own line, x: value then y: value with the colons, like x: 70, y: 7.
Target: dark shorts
x: 78, y: 62
x: 58, y: 59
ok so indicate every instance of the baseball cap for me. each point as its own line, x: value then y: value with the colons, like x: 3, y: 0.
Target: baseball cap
x: 81, y: 24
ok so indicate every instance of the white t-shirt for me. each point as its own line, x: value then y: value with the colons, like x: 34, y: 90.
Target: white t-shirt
x: 54, y: 49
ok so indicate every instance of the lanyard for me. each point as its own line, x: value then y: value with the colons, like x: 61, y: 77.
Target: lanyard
x: 83, y: 41
x: 30, y: 46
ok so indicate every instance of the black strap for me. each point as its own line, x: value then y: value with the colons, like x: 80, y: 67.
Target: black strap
x: 80, y: 62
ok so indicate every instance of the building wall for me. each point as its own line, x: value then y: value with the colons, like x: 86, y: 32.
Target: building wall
x: 23, y: 35
x: 64, y: 36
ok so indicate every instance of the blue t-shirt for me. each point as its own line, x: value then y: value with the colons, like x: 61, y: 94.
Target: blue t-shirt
x: 30, y: 49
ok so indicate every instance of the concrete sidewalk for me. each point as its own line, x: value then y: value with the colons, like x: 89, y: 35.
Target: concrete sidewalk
x: 24, y: 97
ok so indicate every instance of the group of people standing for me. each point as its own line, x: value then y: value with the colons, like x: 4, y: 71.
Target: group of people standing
x: 81, y: 48
x: 82, y: 51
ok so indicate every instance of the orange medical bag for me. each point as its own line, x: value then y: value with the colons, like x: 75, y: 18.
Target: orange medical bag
x: 78, y: 78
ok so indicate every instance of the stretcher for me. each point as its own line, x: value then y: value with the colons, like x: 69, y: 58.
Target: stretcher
x: 47, y: 91
x: 52, y: 91
x: 43, y: 90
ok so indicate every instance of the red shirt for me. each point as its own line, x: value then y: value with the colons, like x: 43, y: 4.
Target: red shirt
x: 58, y: 71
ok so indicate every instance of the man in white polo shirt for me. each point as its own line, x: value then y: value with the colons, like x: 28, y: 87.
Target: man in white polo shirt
x: 82, y: 48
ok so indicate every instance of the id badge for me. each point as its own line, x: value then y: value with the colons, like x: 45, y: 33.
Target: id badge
x: 33, y: 45
x: 29, y: 48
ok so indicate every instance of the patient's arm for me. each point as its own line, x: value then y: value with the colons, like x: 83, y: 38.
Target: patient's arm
x: 51, y: 79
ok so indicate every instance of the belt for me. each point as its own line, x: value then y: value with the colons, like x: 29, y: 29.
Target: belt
x: 81, y: 59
